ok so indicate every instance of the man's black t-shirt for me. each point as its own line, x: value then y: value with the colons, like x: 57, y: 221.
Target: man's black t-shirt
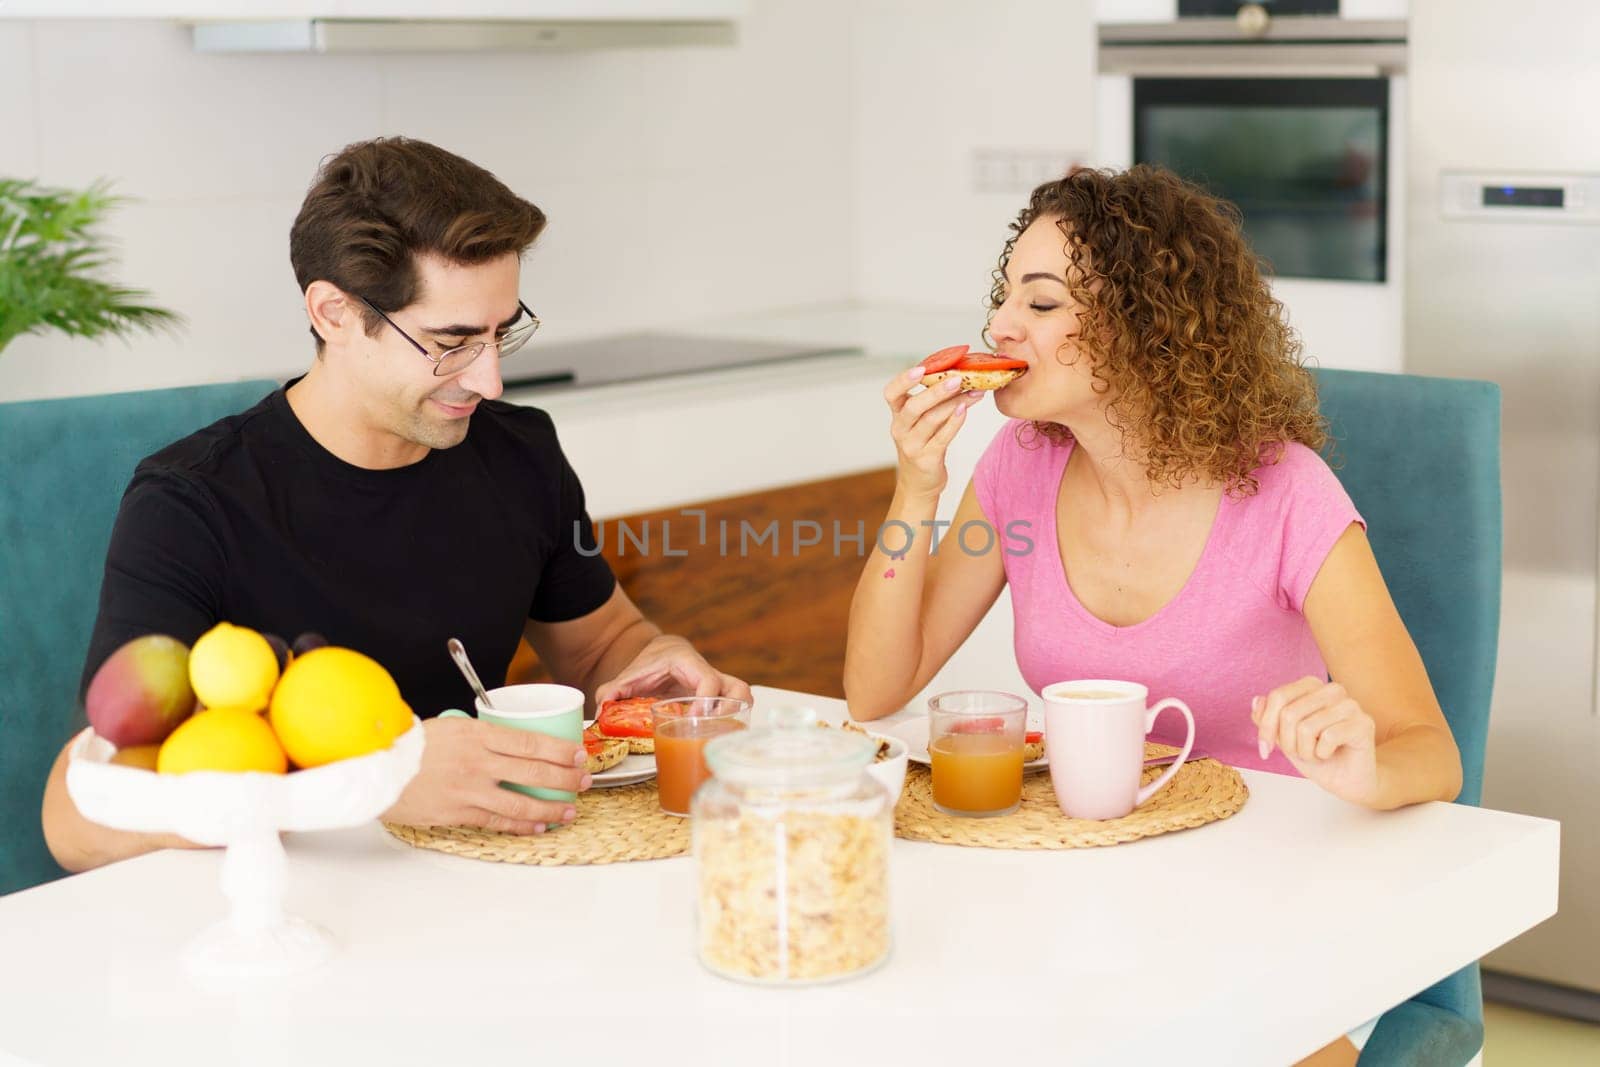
x: 251, y: 521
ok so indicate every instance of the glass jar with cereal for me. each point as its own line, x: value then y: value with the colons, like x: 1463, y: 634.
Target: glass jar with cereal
x: 791, y: 845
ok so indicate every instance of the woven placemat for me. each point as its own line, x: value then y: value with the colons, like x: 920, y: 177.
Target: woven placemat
x: 613, y: 826
x: 1202, y: 791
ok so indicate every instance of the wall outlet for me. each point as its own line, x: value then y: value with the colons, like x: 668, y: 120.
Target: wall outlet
x: 1017, y: 171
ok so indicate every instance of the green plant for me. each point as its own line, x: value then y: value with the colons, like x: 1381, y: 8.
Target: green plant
x: 50, y: 257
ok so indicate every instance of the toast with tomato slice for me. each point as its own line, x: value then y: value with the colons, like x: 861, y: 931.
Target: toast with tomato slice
x: 628, y: 719
x: 1032, y: 746
x: 604, y: 752
x: 980, y: 371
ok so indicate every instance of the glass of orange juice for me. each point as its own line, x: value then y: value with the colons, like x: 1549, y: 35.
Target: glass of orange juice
x: 975, y: 745
x: 683, y: 725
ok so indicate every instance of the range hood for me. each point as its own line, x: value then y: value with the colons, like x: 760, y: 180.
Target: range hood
x: 414, y: 35
x: 417, y: 25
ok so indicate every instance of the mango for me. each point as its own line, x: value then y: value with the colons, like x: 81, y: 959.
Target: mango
x: 141, y: 692
x: 141, y: 756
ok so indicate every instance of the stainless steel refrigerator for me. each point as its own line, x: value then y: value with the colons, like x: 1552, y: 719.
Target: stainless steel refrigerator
x: 1503, y: 282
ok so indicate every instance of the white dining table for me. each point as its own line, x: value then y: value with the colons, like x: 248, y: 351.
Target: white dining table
x: 1253, y: 940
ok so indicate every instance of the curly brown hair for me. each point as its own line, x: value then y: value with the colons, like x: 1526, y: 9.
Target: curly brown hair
x: 1202, y: 371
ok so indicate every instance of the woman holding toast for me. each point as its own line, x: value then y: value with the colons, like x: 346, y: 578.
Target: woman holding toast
x: 1157, y: 503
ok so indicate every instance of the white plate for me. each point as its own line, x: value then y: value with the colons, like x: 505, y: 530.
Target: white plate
x: 914, y: 732
x: 631, y: 771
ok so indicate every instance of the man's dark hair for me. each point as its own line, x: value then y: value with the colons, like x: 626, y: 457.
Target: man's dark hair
x: 377, y: 205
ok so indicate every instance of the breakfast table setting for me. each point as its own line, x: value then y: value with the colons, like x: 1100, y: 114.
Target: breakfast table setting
x: 1187, y: 910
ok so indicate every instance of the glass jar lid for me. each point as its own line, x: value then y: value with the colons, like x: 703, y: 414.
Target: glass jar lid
x: 789, y: 758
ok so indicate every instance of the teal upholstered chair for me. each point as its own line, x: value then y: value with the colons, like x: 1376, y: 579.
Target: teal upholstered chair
x: 1421, y: 459
x: 66, y: 463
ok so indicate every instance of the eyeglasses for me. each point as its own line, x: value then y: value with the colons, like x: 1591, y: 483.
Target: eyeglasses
x: 455, y: 360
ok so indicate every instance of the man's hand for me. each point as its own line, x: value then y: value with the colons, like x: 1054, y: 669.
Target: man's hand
x: 463, y: 764
x: 669, y: 666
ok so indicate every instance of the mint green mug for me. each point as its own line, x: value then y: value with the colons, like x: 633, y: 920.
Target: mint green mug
x: 542, y: 707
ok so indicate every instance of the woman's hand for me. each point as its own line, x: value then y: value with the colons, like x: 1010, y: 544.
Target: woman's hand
x: 1325, y: 734
x: 923, y: 427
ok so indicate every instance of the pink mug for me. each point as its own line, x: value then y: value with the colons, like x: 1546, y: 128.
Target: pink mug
x: 1094, y: 735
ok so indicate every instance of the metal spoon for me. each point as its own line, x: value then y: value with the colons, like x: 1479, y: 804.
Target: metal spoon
x: 458, y: 652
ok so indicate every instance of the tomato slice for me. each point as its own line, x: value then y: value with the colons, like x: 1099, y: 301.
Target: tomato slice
x: 989, y: 361
x: 594, y: 742
x: 944, y: 359
x: 629, y: 717
x: 1033, y: 737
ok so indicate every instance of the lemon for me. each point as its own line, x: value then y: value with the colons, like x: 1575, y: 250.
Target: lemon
x: 334, y: 703
x: 222, y: 739
x: 232, y: 667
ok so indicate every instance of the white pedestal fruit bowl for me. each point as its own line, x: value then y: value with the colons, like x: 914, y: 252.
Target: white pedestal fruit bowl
x: 245, y: 813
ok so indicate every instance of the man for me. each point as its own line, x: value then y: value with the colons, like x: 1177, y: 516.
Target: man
x: 387, y: 501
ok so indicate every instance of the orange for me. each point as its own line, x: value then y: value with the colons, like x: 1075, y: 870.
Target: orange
x: 333, y: 704
x: 222, y: 739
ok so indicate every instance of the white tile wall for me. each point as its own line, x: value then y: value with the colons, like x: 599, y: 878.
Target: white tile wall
x: 595, y: 263
x: 529, y: 118
x: 680, y: 183
x: 19, y: 135
x: 131, y: 100
x: 755, y: 242
x: 778, y: 106
x: 937, y: 79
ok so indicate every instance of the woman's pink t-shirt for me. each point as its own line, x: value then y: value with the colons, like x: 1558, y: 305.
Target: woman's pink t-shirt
x: 1235, y: 630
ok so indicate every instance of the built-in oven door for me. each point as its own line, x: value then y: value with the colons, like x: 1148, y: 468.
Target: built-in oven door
x: 1303, y: 130
x: 1304, y: 159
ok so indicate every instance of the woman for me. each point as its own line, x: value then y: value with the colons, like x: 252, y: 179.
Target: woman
x: 1158, y: 507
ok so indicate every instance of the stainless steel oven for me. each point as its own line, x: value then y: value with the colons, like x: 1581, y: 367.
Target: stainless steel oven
x: 1295, y: 114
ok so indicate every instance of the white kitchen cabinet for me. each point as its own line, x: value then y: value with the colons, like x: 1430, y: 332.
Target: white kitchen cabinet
x: 570, y: 10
